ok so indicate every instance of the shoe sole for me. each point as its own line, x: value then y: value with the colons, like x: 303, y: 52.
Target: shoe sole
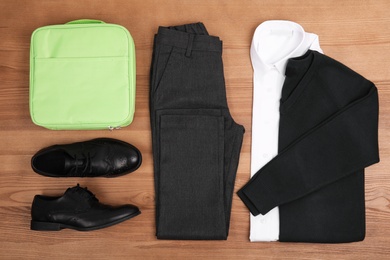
x: 52, y: 226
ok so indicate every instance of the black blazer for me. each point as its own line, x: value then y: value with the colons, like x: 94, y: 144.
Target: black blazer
x: 328, y: 134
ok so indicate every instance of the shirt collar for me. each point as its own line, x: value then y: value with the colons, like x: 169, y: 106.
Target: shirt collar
x: 266, y: 29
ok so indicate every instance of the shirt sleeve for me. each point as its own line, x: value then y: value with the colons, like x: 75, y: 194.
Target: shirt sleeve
x: 341, y: 145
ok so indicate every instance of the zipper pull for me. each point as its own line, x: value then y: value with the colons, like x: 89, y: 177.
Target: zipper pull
x: 112, y: 128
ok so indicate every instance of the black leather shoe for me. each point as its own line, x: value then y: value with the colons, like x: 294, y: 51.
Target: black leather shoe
x: 77, y: 209
x: 102, y: 157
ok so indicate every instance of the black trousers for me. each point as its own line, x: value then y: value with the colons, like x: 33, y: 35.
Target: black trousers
x: 196, y: 143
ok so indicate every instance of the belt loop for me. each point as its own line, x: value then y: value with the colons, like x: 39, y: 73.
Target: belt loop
x: 189, y: 45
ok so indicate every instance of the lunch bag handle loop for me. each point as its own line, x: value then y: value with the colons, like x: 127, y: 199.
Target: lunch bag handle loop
x: 84, y: 21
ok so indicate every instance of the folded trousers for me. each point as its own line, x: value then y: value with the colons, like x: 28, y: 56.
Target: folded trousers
x: 196, y: 143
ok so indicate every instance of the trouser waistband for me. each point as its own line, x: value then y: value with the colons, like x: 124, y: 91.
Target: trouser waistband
x: 190, y: 37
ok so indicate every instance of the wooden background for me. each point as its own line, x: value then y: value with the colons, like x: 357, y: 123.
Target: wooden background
x: 355, y: 32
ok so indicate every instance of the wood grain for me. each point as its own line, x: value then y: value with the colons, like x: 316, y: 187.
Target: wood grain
x: 355, y: 32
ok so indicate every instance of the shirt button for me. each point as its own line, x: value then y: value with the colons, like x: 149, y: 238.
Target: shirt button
x: 269, y: 90
x: 265, y: 155
x: 263, y: 220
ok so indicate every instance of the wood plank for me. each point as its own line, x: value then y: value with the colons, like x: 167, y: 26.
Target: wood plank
x: 355, y: 32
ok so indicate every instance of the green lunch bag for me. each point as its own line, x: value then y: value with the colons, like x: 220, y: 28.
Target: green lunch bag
x: 82, y: 76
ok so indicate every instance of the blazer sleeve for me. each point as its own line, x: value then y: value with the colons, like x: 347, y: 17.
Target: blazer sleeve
x: 344, y: 143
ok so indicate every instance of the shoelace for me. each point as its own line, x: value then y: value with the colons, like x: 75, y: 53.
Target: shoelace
x: 86, y: 165
x: 83, y: 192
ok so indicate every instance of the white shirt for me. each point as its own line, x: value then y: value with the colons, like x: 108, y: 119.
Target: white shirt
x: 274, y: 42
